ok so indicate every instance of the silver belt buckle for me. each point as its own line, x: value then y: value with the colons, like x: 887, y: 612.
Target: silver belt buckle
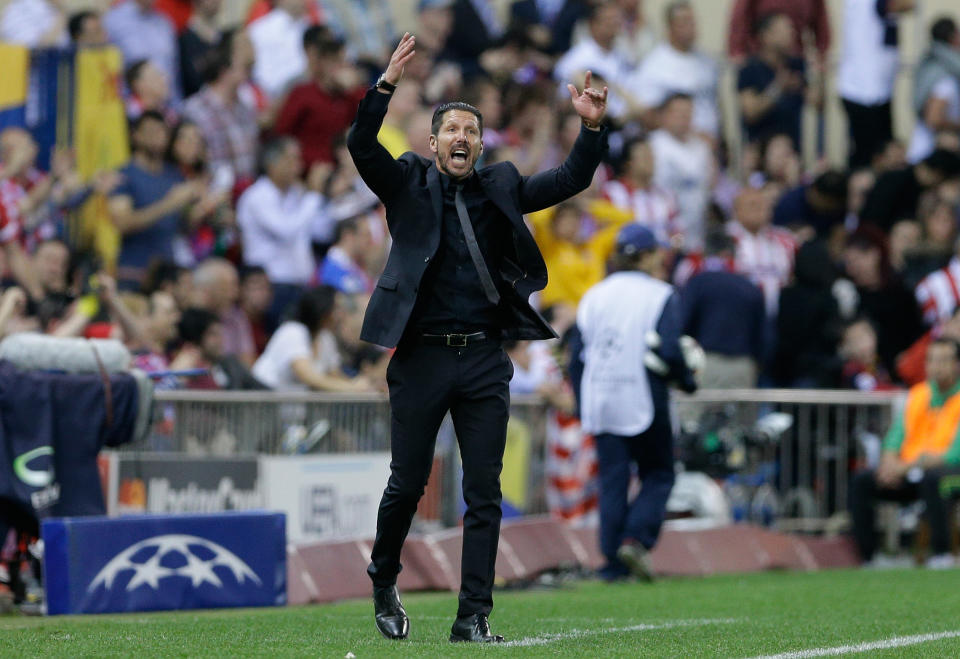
x: 457, y: 340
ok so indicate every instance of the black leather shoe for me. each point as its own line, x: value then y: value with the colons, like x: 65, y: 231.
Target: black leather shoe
x: 473, y: 629
x: 392, y: 620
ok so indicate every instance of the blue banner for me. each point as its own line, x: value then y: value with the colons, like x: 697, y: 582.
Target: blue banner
x: 49, y: 107
x: 160, y: 562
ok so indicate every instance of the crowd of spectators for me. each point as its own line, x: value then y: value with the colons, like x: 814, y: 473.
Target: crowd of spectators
x: 249, y: 244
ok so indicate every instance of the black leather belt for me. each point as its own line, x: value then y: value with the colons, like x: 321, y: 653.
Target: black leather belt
x: 455, y: 340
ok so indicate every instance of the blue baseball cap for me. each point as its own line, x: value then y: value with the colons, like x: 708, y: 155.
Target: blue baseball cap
x: 634, y: 238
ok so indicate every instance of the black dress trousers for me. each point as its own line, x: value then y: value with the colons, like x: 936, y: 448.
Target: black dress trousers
x: 425, y: 381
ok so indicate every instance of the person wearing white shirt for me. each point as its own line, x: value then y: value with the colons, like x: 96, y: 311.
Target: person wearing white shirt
x: 276, y: 216
x: 535, y: 371
x: 302, y: 354
x: 941, y: 112
x: 684, y: 166
x: 936, y: 90
x: 636, y: 37
x: 34, y: 24
x: 142, y: 32
x: 677, y: 67
x: 596, y: 53
x: 867, y: 71
x: 278, y: 43
x: 630, y: 353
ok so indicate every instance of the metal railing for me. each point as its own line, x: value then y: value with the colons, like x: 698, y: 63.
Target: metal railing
x: 808, y: 466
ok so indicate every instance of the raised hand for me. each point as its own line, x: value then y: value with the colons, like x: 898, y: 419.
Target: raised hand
x: 591, y: 104
x: 403, y: 53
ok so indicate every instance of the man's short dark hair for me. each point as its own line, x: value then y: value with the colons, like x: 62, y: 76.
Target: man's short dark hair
x: 148, y: 115
x: 346, y: 225
x: 132, y: 74
x: 620, y: 262
x: 75, y: 24
x: 194, y: 324
x: 943, y: 30
x: 832, y: 184
x: 219, y: 58
x: 762, y: 24
x: 676, y: 96
x: 273, y: 150
x: 248, y: 271
x: 598, y: 7
x: 947, y: 163
x: 673, y: 8
x: 322, y: 40
x: 717, y: 242
x: 455, y: 105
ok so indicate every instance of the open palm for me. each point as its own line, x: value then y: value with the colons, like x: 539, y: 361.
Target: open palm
x: 591, y: 104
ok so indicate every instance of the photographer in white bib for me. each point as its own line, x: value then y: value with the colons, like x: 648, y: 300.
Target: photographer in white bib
x: 630, y: 325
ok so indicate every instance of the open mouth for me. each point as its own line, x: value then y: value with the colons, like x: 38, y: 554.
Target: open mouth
x: 459, y: 156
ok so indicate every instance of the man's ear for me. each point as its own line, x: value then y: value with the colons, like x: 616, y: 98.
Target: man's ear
x: 433, y: 143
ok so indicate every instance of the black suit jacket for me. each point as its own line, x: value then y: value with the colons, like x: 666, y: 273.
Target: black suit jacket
x: 409, y: 188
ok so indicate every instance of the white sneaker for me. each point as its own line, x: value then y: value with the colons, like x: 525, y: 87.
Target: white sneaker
x: 941, y: 562
x: 887, y: 562
x: 637, y: 560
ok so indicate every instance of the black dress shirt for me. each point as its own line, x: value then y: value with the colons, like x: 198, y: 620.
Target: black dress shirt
x: 451, y: 297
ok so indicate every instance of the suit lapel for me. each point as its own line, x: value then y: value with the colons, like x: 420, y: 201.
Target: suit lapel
x: 436, y: 192
x: 527, y: 251
x: 500, y: 198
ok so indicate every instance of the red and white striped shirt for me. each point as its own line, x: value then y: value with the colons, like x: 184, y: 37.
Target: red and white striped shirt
x: 766, y: 258
x: 938, y: 294
x: 12, y: 192
x: 653, y: 207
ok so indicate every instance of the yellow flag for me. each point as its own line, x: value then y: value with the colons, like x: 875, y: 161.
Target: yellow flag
x: 15, y: 64
x: 100, y: 138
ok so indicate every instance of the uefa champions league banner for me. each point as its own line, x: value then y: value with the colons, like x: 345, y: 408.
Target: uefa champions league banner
x: 164, y: 562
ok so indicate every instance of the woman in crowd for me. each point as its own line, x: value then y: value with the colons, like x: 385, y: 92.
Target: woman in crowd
x: 303, y: 353
x: 210, y: 219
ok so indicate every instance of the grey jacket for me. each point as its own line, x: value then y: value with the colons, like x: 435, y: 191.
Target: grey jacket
x: 940, y: 61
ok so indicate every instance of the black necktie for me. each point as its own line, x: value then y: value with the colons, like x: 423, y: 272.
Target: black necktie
x: 474, y: 248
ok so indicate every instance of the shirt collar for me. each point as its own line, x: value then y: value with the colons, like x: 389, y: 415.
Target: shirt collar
x: 447, y: 183
x: 941, y: 396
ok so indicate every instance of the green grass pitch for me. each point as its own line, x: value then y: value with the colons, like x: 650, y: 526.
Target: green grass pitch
x: 723, y: 616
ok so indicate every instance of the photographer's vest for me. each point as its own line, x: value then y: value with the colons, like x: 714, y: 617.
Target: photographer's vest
x: 928, y: 429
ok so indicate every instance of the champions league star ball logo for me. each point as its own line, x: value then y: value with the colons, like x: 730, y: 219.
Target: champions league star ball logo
x: 167, y: 556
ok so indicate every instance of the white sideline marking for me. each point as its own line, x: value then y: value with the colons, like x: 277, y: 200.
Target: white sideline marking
x: 546, y: 639
x: 895, y: 642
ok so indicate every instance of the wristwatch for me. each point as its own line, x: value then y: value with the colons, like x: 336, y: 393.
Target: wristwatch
x: 384, y: 85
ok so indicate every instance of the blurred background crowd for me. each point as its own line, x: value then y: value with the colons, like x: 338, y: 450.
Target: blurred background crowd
x: 229, y: 230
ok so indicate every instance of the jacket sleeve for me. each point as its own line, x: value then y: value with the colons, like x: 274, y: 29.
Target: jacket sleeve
x: 379, y: 170
x: 893, y: 440
x: 288, y: 116
x: 738, y: 36
x: 759, y: 324
x: 670, y: 329
x: 551, y: 187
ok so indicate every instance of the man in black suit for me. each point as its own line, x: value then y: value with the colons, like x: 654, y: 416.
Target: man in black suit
x: 455, y: 285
